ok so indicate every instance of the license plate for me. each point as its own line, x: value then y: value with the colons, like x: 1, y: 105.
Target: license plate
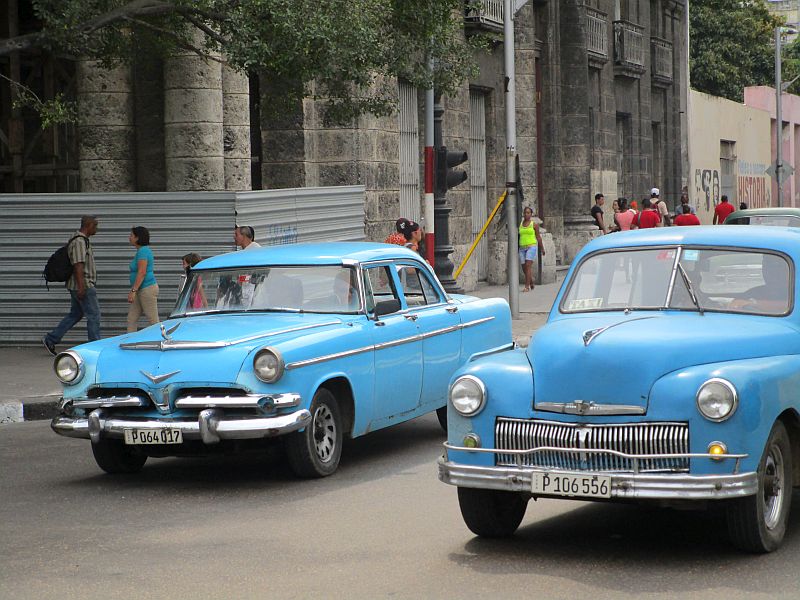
x: 166, y: 435
x: 571, y: 484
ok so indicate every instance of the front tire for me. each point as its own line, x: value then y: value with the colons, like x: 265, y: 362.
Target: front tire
x: 113, y: 456
x: 758, y: 523
x: 491, y: 513
x: 315, y: 451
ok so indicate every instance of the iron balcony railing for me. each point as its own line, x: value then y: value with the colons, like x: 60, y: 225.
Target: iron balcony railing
x: 597, y: 38
x: 662, y: 59
x: 629, y: 46
x: 485, y: 14
x: 662, y: 441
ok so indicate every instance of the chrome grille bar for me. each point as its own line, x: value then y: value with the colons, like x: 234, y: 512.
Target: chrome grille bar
x: 662, y: 446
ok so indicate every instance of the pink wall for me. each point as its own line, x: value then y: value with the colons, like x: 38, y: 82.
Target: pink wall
x: 763, y: 97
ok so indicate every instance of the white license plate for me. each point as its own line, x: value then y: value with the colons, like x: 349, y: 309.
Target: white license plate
x: 166, y: 435
x: 571, y: 484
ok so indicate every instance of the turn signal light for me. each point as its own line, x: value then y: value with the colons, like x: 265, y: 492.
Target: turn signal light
x: 717, y: 449
x: 471, y: 440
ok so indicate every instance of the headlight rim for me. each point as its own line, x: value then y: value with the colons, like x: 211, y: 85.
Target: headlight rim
x: 725, y: 383
x: 281, y: 364
x: 481, y: 386
x: 80, y: 364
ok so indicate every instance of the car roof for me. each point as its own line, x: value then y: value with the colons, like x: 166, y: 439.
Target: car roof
x: 329, y: 253
x: 784, y: 239
x: 772, y: 211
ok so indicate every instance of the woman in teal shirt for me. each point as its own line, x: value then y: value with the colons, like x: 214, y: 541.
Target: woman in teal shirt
x: 143, y: 296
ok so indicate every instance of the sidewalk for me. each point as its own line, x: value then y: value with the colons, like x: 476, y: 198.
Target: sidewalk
x: 30, y: 390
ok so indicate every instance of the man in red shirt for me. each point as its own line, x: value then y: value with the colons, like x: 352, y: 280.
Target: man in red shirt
x: 687, y: 218
x: 648, y: 218
x: 722, y: 210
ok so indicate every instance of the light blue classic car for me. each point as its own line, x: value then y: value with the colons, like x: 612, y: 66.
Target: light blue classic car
x: 668, y: 372
x: 308, y: 342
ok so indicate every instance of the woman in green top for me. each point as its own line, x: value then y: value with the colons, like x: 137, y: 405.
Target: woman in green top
x: 143, y: 296
x: 528, y: 238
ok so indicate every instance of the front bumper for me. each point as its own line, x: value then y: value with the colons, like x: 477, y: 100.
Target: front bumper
x: 211, y: 425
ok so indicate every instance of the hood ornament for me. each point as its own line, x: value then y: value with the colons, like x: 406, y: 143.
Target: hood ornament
x: 166, y: 333
x: 589, y: 335
x: 156, y: 379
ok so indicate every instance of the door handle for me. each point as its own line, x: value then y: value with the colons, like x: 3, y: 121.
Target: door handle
x: 411, y: 317
x: 452, y: 309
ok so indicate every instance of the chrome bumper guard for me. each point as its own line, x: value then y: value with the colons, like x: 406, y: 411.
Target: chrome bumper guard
x: 628, y: 485
x: 211, y: 426
x: 266, y: 402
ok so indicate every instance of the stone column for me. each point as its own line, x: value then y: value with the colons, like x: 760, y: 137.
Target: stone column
x: 149, y: 114
x: 193, y: 132
x: 105, y: 128
x: 236, y: 129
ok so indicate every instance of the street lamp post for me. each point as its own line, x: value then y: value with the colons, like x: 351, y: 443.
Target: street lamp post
x: 778, y: 117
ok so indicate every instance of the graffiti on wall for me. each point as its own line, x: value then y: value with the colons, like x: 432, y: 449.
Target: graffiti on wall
x: 706, y: 187
x: 281, y: 234
x: 754, y: 185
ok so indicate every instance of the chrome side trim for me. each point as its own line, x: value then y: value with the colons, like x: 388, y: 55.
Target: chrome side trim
x: 268, y: 401
x: 642, y: 486
x: 407, y: 340
x: 581, y: 407
x: 110, y: 402
x: 210, y: 426
x: 164, y: 345
x: 503, y: 348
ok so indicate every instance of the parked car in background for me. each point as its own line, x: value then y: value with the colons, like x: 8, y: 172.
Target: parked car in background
x: 309, y: 343
x: 668, y: 372
x: 781, y: 217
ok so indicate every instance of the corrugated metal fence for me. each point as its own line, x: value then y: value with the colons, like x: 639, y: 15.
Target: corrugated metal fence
x: 32, y: 226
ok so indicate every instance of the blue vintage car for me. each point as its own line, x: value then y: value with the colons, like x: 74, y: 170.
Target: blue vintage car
x: 668, y: 372
x: 307, y: 342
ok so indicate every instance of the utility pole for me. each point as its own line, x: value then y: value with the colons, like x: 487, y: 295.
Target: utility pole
x: 428, y: 213
x: 778, y: 117
x: 509, y: 8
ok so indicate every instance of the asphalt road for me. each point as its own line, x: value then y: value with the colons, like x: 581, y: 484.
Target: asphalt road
x: 382, y: 527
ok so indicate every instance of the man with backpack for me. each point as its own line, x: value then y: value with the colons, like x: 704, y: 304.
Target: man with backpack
x: 660, y: 206
x: 81, y: 286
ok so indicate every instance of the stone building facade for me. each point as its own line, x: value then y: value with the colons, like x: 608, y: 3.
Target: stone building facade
x: 600, y: 107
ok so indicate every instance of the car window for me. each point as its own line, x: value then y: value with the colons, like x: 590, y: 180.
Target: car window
x: 379, y: 286
x: 777, y: 220
x: 417, y: 288
x: 722, y: 280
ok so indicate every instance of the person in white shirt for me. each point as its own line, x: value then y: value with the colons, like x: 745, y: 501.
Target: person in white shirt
x: 244, y: 236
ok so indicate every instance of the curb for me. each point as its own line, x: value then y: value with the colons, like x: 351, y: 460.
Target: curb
x: 28, y: 409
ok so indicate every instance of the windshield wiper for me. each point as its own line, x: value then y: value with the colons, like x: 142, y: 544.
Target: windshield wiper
x: 275, y: 309
x: 689, y: 287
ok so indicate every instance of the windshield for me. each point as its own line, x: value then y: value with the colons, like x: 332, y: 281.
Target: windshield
x: 318, y: 289
x: 720, y: 280
x: 777, y: 220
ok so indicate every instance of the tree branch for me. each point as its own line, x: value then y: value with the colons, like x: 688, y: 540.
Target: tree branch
x: 179, y: 41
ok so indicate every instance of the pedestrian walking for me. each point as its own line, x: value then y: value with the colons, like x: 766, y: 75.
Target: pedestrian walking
x: 660, y: 206
x: 397, y: 237
x: 684, y: 201
x: 143, y: 295
x: 413, y: 235
x: 81, y: 285
x: 649, y: 216
x: 687, y: 218
x: 624, y: 217
x: 722, y: 210
x: 528, y: 245
x: 597, y: 212
x: 245, y: 236
x: 198, y: 299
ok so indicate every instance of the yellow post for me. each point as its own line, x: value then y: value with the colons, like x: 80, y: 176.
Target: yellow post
x: 480, y: 235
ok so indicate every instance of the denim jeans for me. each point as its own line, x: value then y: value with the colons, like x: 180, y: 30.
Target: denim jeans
x: 78, y: 308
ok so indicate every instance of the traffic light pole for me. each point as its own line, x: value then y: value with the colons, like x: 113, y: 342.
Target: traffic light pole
x: 511, y: 154
x: 443, y: 266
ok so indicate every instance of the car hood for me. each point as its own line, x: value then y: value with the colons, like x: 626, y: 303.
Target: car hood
x: 616, y: 359
x: 208, y: 348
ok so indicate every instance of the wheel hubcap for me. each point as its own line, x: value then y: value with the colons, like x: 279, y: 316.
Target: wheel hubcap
x: 324, y: 433
x: 773, y: 487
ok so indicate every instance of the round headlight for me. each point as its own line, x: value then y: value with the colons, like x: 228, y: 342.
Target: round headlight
x: 717, y: 399
x: 68, y: 367
x: 268, y: 365
x: 468, y: 395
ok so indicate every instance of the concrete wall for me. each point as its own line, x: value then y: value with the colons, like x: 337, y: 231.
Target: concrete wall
x: 763, y: 97
x: 712, y: 120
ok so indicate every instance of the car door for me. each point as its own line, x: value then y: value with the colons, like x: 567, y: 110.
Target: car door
x: 398, y: 347
x: 440, y: 326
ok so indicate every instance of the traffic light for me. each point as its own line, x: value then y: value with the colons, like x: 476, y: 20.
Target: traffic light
x: 446, y: 176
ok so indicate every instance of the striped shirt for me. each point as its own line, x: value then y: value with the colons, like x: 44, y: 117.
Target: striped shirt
x: 80, y: 251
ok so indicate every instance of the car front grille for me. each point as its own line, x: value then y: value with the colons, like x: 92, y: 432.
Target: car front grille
x: 627, y: 438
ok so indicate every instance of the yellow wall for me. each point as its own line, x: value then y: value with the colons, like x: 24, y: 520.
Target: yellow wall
x: 712, y: 120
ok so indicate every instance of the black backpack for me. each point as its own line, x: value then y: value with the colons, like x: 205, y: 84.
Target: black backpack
x: 59, y: 267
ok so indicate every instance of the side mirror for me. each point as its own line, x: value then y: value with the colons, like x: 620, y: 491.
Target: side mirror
x: 386, y: 307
